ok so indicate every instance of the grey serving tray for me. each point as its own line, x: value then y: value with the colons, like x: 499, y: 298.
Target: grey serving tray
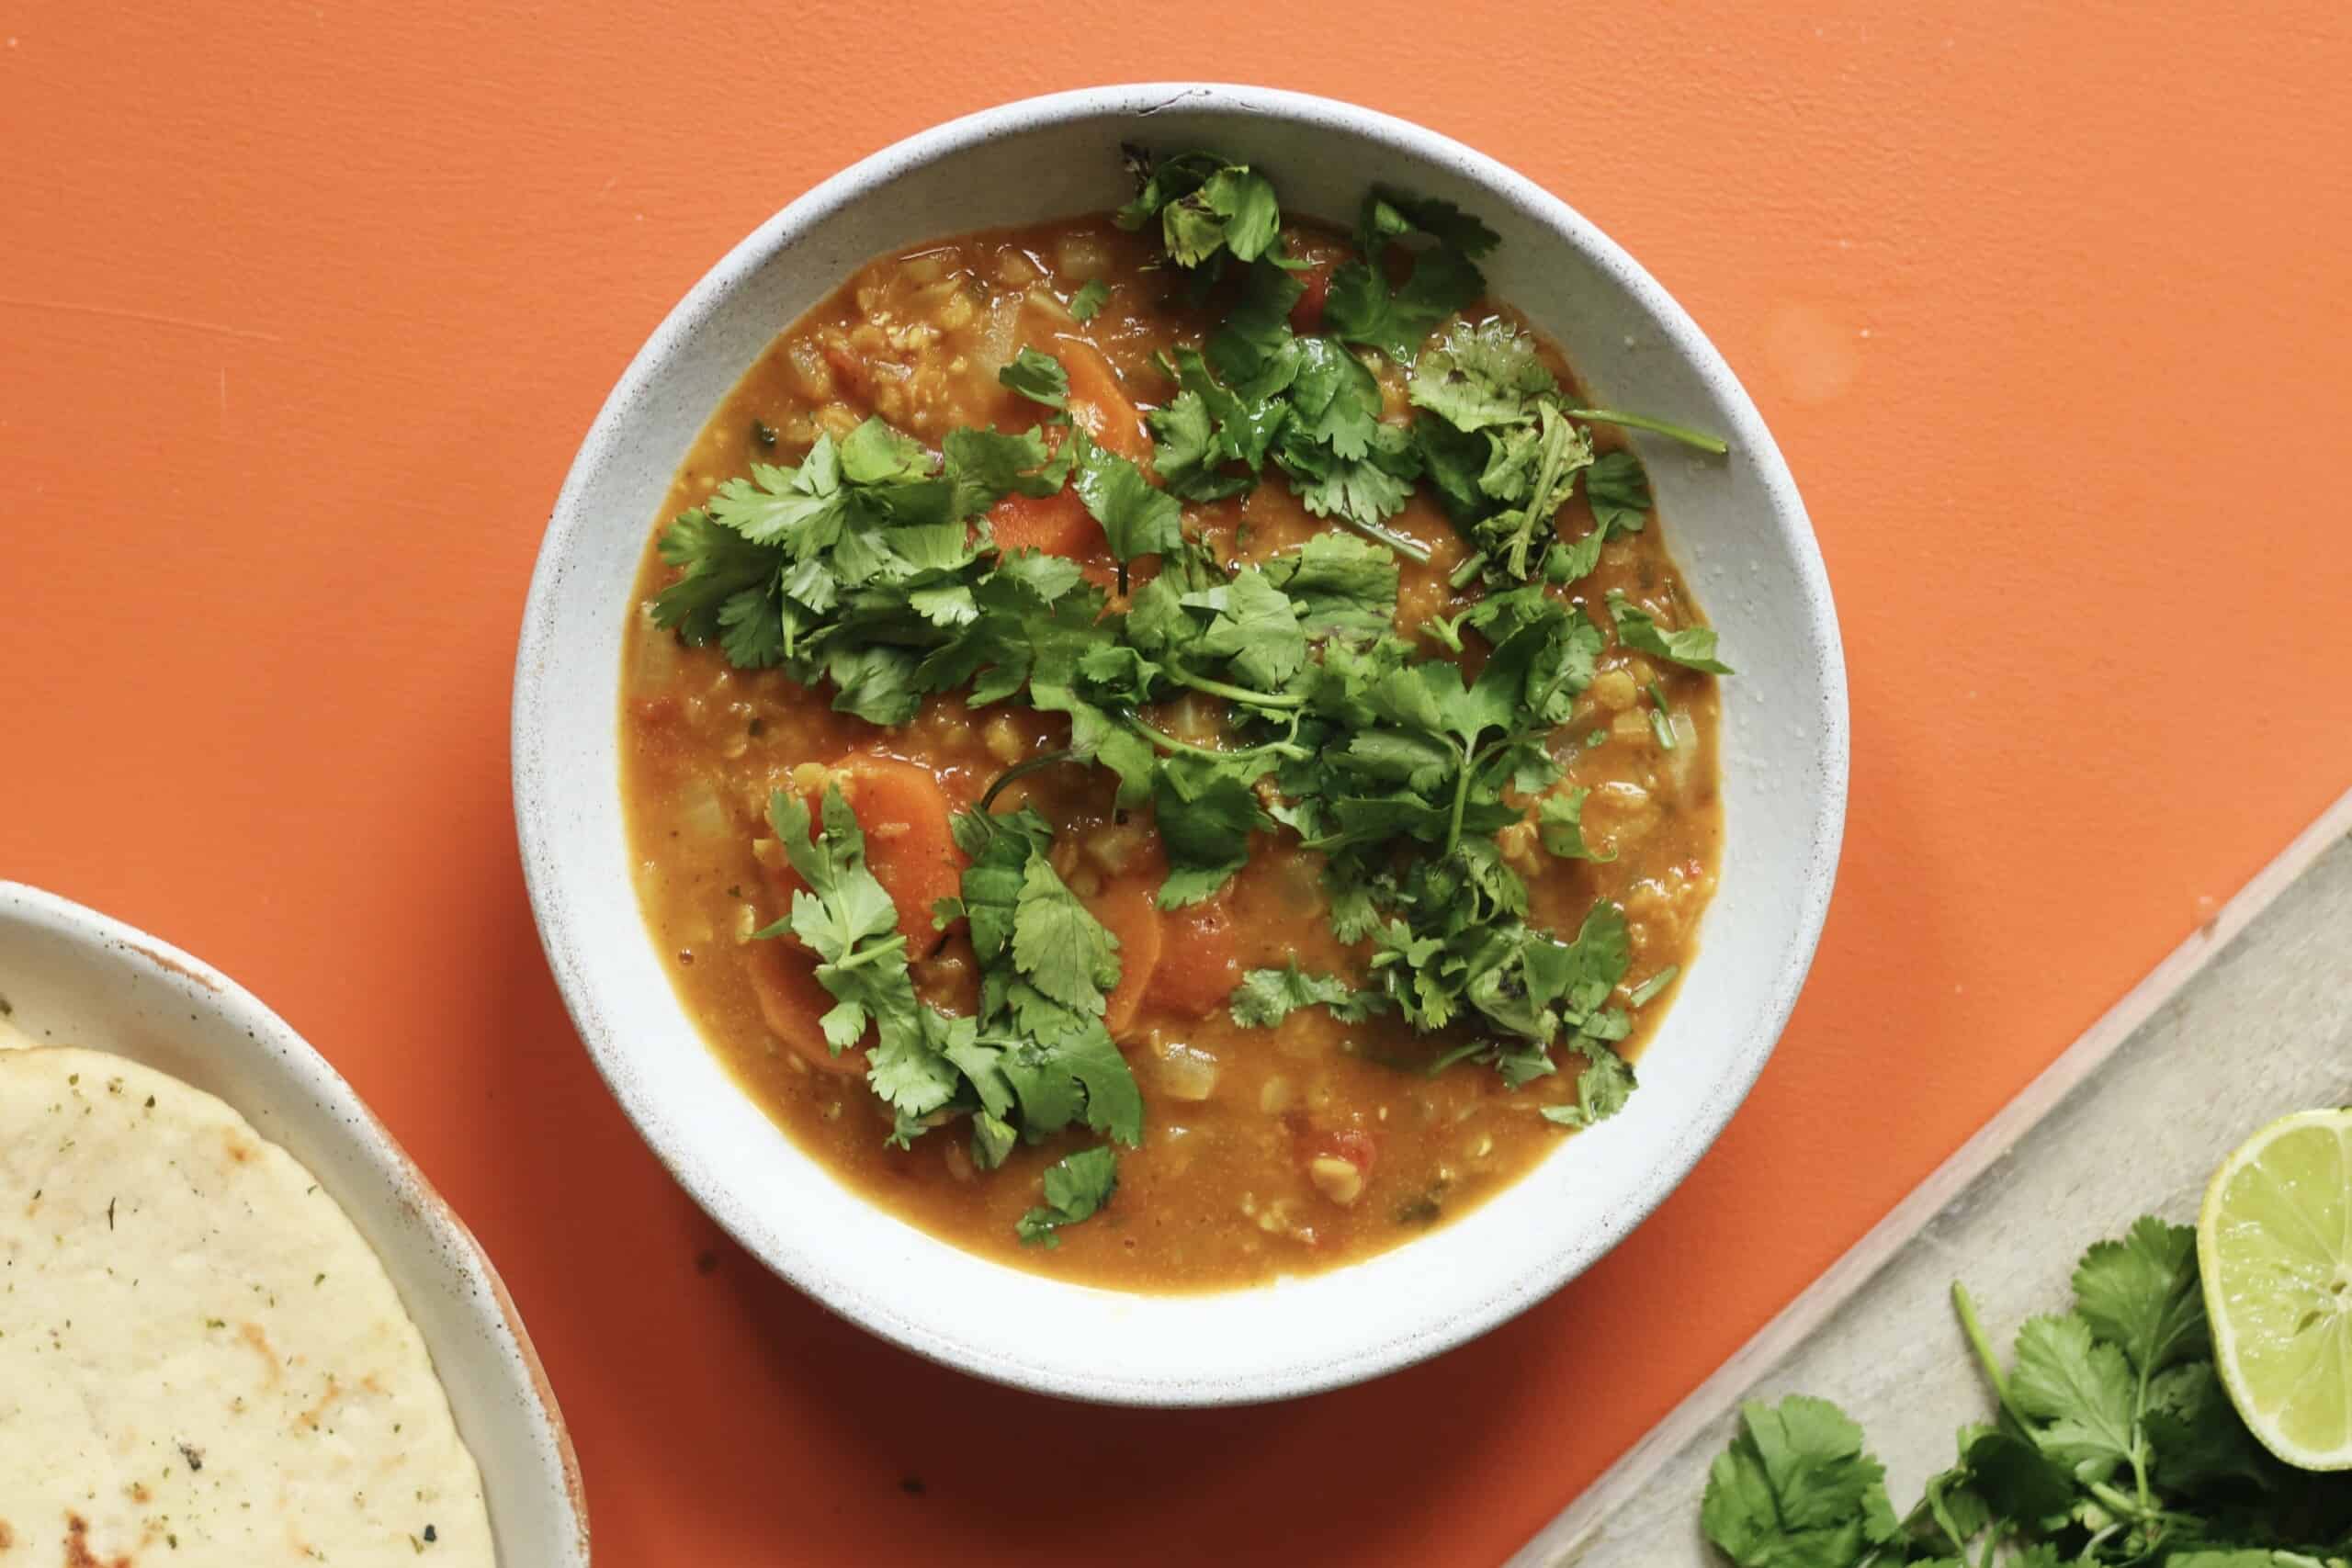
x: 2249, y: 1019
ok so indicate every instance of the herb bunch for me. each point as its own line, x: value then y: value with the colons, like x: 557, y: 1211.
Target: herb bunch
x: 2114, y: 1444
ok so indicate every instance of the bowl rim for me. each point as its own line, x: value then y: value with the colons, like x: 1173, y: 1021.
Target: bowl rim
x: 1746, y: 429
x: 356, y: 1123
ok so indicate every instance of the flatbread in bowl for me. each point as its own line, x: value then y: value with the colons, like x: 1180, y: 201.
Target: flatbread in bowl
x: 236, y: 1325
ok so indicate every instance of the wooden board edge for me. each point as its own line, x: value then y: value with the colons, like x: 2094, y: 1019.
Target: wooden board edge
x: 1558, y: 1543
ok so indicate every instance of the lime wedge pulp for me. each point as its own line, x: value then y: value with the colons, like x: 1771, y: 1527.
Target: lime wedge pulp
x: 2274, y: 1244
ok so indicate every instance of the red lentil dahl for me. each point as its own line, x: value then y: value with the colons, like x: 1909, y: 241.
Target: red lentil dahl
x: 1266, y: 1152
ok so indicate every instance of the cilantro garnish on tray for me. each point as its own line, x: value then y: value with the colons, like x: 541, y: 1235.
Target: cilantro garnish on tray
x: 2112, y: 1444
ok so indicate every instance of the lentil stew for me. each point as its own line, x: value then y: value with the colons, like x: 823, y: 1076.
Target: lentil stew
x: 1168, y: 747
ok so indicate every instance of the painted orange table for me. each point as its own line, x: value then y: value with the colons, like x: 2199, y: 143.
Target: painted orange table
x: 302, y: 309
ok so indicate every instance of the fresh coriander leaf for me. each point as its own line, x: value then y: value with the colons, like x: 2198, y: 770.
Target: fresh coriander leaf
x: 1454, y: 461
x: 2141, y: 1294
x: 910, y: 1071
x: 1266, y: 997
x: 1597, y: 960
x: 878, y: 683
x: 1136, y: 519
x: 1114, y: 1103
x: 803, y: 508
x: 1388, y: 213
x: 1420, y: 764
x: 1796, y: 1489
x: 1481, y: 375
x: 1064, y: 951
x: 874, y: 454
x: 1336, y: 398
x: 2081, y: 1389
x: 1693, y: 648
x: 1257, y: 628
x: 1362, y: 308
x: 750, y: 631
x: 1188, y: 454
x: 2198, y: 1441
x: 1535, y: 477
x: 1088, y: 302
x: 1363, y: 493
x: 1341, y: 585
x: 1206, y: 812
x: 843, y: 915
x: 1619, y: 491
x: 1211, y: 440
x: 1563, y: 564
x: 722, y: 568
x: 1602, y: 1088
x: 2014, y: 1480
x: 1560, y: 824
x: 992, y: 1139
x: 842, y: 905
x: 1206, y: 205
x: 1037, y: 377
x: 983, y: 466
x: 1234, y: 208
x: 1255, y: 352
x: 1076, y: 1187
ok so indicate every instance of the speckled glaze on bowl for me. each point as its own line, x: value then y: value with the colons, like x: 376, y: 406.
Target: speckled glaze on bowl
x: 72, y: 976
x: 1737, y: 527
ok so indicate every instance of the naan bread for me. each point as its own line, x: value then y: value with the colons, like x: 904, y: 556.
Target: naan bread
x: 201, y: 1363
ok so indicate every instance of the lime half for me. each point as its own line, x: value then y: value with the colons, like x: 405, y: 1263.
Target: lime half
x: 2274, y: 1243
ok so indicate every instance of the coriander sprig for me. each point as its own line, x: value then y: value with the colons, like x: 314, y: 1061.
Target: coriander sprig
x: 2113, y: 1444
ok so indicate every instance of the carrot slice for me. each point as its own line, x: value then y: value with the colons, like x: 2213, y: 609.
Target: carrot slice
x: 1307, y: 312
x: 1202, y: 963
x: 783, y: 982
x: 1129, y: 910
x: 1099, y: 402
x: 908, y: 846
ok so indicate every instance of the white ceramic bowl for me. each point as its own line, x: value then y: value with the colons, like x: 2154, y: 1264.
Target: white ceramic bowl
x: 1735, y: 525
x: 72, y: 976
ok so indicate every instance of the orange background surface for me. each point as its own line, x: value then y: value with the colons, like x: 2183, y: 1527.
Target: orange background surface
x: 304, y: 307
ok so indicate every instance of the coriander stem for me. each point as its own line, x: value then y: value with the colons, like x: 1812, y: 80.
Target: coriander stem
x: 1683, y: 433
x: 1167, y: 743
x: 1461, y: 799
x: 1971, y: 1326
x: 865, y: 955
x: 1232, y: 693
x: 2117, y: 1503
x: 1445, y: 631
x: 1462, y: 574
x: 1035, y: 764
x: 1417, y: 553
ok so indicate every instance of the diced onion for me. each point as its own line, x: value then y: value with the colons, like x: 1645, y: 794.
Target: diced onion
x: 1187, y: 1072
x: 700, y: 815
